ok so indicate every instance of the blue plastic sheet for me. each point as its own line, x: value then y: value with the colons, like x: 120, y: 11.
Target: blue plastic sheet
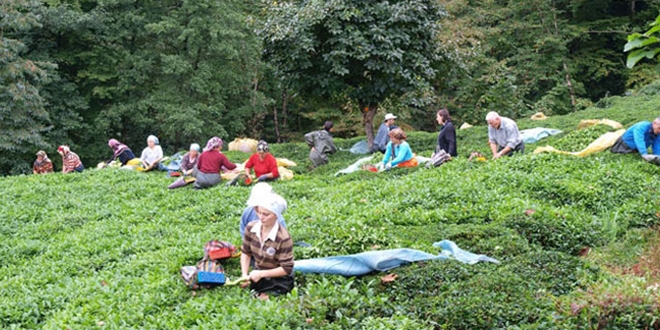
x: 360, y: 148
x: 367, y: 262
x: 533, y: 135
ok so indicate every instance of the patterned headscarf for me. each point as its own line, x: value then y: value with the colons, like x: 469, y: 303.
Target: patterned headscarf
x: 263, y: 146
x: 117, y: 147
x: 64, y: 149
x: 398, y: 134
x: 153, y: 138
x: 43, y: 159
x: 214, y: 142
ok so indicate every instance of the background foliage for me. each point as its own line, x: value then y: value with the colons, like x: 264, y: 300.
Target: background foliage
x: 83, y: 71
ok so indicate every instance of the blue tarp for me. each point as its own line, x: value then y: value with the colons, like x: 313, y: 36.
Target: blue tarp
x: 533, y: 135
x: 360, y: 148
x: 367, y: 262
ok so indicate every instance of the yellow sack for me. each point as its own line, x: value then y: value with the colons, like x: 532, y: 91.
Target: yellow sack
x: 593, y: 122
x: 603, y: 142
x: 538, y: 116
x: 244, y: 145
x: 465, y: 126
x: 285, y: 162
x: 285, y: 173
x: 230, y: 175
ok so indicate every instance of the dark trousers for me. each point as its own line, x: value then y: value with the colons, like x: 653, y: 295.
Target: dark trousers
x: 520, y: 148
x: 276, y: 286
x: 621, y: 147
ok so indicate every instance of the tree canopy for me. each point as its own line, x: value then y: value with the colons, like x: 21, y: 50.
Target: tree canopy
x: 367, y: 50
x: 80, y: 72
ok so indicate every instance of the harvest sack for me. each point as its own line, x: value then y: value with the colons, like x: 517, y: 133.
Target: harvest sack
x: 243, y: 145
x: 218, y: 250
x: 440, y: 157
x: 207, y: 272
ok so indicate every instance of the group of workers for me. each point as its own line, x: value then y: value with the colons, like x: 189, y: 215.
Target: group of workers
x: 267, y: 247
x: 205, y: 167
x: 504, y: 139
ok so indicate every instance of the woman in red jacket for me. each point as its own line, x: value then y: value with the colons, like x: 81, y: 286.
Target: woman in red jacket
x: 210, y: 163
x: 264, y: 164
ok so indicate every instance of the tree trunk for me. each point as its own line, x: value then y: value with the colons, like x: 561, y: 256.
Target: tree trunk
x: 368, y: 114
x: 571, y: 91
x: 567, y: 73
x: 284, y: 108
x: 277, y: 125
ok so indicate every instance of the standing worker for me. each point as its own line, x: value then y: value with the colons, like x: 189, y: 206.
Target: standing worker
x: 447, y: 134
x: 321, y: 144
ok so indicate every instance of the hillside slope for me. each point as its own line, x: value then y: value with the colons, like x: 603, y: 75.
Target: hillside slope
x: 104, y: 248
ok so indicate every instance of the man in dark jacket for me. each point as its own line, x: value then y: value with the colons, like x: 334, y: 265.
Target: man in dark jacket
x: 321, y: 144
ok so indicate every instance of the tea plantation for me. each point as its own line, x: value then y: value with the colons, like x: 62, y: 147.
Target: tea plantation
x: 574, y: 236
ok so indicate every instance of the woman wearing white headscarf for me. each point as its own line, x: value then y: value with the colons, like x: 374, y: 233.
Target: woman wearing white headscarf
x: 270, y: 246
x: 250, y: 212
x: 189, y: 160
x: 152, y: 154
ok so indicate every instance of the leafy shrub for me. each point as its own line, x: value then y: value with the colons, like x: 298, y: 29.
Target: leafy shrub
x: 556, y: 230
x: 651, y: 89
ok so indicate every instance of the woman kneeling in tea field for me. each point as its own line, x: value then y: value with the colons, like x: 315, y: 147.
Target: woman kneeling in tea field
x: 70, y: 161
x: 270, y: 246
x: 210, y: 163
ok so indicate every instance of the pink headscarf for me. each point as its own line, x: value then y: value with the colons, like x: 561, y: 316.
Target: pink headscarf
x: 117, y: 147
x: 214, y: 142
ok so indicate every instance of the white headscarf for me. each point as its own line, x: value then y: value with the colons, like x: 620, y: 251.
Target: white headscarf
x: 262, y: 195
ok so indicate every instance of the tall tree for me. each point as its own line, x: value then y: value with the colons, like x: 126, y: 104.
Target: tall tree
x: 367, y: 50
x: 23, y: 117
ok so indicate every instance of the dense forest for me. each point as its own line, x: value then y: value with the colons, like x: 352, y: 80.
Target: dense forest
x: 80, y: 72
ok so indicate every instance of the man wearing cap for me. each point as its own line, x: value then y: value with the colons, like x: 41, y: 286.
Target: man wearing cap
x: 503, y: 136
x: 270, y: 246
x: 382, y: 137
x: 321, y: 144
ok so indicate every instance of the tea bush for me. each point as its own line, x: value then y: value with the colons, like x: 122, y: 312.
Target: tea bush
x: 103, y: 248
